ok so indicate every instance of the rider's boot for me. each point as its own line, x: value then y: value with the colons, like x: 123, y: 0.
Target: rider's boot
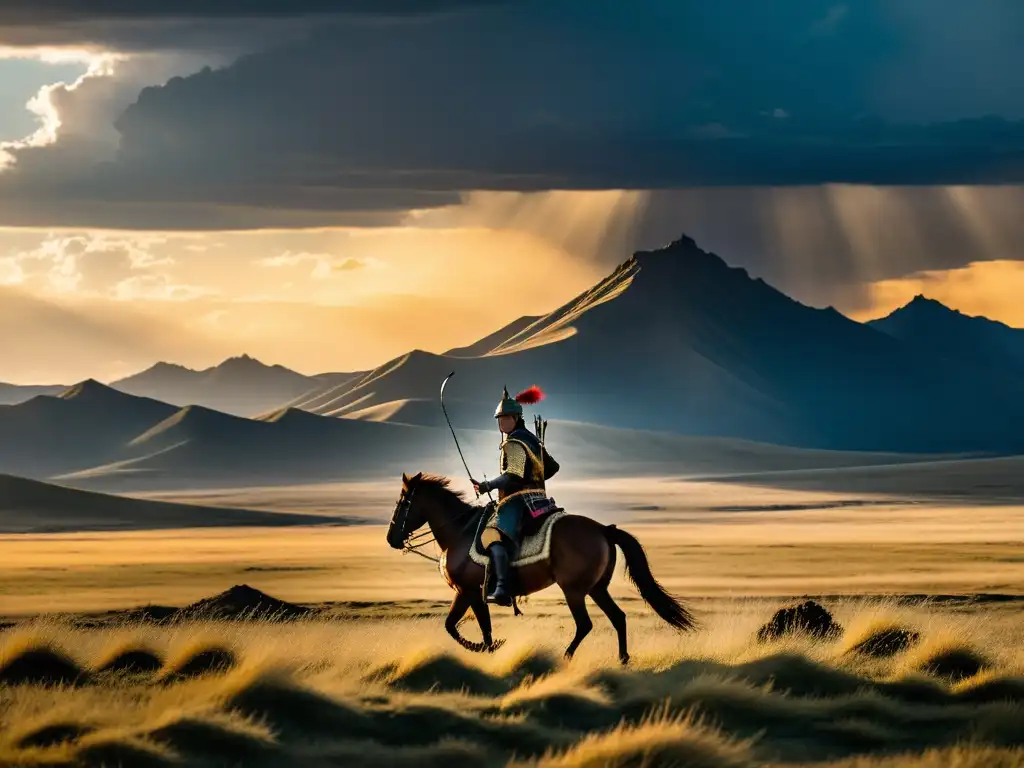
x: 499, y: 561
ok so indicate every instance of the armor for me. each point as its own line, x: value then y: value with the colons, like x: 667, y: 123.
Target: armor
x: 525, y: 494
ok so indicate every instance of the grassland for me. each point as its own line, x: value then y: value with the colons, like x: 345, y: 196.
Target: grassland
x: 374, y: 680
x: 392, y: 691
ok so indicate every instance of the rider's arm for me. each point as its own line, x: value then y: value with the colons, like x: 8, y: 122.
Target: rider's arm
x: 504, y: 482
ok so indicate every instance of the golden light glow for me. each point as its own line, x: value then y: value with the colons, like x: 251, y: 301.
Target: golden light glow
x: 992, y: 289
x: 586, y: 224
x: 268, y: 294
x: 352, y: 298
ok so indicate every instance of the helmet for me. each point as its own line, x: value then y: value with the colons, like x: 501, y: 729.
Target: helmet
x: 508, y: 406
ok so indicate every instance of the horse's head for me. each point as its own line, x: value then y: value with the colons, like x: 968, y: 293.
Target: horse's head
x: 408, y: 514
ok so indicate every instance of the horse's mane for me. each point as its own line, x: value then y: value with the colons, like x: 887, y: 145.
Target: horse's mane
x: 442, y: 486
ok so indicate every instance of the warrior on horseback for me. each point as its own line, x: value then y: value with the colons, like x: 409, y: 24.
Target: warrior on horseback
x: 578, y: 553
x: 524, y: 465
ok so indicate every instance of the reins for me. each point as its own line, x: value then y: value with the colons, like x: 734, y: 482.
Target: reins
x: 408, y: 545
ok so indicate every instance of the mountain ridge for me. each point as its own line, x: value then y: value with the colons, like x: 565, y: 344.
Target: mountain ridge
x: 928, y: 324
x: 240, y: 385
x: 676, y: 338
x: 672, y: 339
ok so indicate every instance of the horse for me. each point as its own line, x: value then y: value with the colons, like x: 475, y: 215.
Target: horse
x: 581, y: 563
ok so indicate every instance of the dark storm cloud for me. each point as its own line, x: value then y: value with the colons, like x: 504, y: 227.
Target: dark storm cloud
x: 573, y: 95
x: 138, y: 25
x: 28, y: 12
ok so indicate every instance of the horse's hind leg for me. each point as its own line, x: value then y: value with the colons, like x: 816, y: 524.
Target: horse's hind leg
x: 577, y: 602
x: 615, y: 615
x: 599, y: 594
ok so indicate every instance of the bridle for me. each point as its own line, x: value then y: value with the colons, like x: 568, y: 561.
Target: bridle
x: 401, y: 519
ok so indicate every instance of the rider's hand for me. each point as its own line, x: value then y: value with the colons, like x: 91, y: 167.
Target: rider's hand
x: 476, y: 485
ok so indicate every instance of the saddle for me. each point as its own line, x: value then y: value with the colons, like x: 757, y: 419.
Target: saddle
x: 534, y: 538
x: 534, y: 546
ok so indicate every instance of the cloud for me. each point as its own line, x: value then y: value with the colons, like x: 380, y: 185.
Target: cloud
x: 366, y: 118
x: 86, y: 264
x: 193, y: 24
x: 11, y: 271
x: 158, y: 287
x: 323, y: 265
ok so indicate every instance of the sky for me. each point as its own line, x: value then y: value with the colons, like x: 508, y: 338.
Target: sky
x: 327, y: 184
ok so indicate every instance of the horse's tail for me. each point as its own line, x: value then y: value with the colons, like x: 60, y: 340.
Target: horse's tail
x: 639, y: 572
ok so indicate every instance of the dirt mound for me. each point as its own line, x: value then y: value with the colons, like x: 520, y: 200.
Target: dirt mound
x: 887, y: 642
x: 955, y: 664
x: 41, y: 666
x: 808, y: 618
x: 243, y: 602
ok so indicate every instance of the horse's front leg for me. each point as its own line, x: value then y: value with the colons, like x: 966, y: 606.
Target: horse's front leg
x: 483, y: 618
x: 458, y: 609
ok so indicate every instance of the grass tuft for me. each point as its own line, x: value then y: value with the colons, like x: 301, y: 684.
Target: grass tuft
x: 42, y: 664
x: 661, y: 740
x: 131, y: 661
x: 198, y: 662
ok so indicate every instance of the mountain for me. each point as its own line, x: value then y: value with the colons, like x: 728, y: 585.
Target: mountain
x: 496, y: 339
x: 240, y: 385
x: 675, y: 339
x: 85, y: 425
x: 29, y: 506
x: 931, y: 326
x: 12, y: 394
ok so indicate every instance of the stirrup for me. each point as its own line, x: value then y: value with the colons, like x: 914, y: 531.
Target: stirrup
x: 499, y: 596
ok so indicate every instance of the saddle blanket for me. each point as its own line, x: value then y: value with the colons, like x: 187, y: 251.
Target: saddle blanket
x: 533, y: 549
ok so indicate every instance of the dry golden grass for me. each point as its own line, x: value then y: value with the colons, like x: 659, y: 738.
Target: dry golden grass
x: 398, y: 692
x: 379, y: 682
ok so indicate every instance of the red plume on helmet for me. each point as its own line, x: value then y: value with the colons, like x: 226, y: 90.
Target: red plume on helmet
x: 530, y: 396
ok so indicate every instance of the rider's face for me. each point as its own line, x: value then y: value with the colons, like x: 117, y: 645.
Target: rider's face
x: 506, y: 423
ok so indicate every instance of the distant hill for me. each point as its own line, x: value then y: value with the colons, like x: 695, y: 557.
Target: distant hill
x: 12, y: 394
x: 930, y: 326
x: 29, y: 506
x: 240, y: 385
x: 965, y: 481
x: 196, y: 447
x: 85, y: 425
x: 677, y: 340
